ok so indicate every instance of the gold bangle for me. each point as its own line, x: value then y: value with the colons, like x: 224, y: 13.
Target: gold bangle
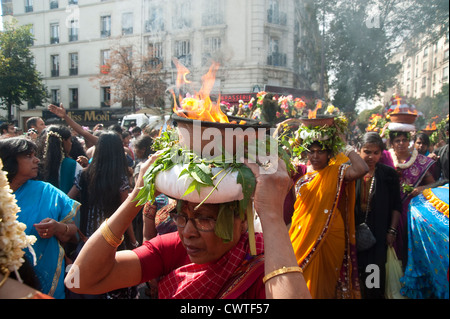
x: 281, y: 271
x: 108, y: 235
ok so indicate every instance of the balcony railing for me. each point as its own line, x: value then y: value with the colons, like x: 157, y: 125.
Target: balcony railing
x: 54, y: 40
x: 55, y: 73
x: 73, y: 71
x: 73, y: 37
x: 105, y: 33
x: 277, y: 59
x: 28, y: 8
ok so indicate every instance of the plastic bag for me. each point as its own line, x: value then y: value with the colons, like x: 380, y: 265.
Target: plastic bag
x: 393, y: 274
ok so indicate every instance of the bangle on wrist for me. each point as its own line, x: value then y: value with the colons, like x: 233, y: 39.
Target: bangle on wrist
x: 348, y: 149
x: 281, y: 271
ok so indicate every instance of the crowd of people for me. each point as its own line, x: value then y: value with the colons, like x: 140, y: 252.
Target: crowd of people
x: 76, y: 191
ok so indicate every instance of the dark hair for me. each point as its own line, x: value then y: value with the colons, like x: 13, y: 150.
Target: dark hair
x: 54, y: 153
x: 77, y: 148
x: 12, y: 147
x: 4, y: 127
x: 424, y: 137
x: 371, y: 138
x: 105, y: 175
x: 144, y: 142
x: 136, y: 129
x: 32, y: 121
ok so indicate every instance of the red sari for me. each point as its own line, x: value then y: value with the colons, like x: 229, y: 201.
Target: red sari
x: 235, y: 275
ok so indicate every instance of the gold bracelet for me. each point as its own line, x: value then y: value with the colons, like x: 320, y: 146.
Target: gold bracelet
x: 108, y: 235
x: 282, y: 271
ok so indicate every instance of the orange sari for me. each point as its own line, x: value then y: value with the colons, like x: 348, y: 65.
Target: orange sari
x: 323, y: 232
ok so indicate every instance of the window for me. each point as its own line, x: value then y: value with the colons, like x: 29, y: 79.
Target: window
x: 73, y: 63
x: 183, y: 51
x: 424, y: 82
x: 54, y: 4
x: 73, y: 98
x: 104, y: 63
x: 445, y: 74
x: 28, y: 5
x: 73, y: 30
x: 73, y: 2
x: 55, y: 96
x: 127, y: 23
x: 182, y: 17
x: 106, y: 96
x: 274, y: 14
x: 446, y: 55
x: 105, y: 26
x: 155, y: 54
x: 275, y: 58
x: 211, y: 46
x: 425, y: 66
x: 154, y: 21
x: 213, y: 13
x: 54, y: 65
x: 425, y: 51
x: 54, y: 33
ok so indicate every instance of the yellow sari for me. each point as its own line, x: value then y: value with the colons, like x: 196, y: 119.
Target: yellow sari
x: 323, y: 231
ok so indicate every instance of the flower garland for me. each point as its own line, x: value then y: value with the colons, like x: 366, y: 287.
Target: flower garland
x: 12, y: 232
x: 404, y: 165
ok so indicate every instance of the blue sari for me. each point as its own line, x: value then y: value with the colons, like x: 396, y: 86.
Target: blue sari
x: 426, y: 274
x: 38, y: 200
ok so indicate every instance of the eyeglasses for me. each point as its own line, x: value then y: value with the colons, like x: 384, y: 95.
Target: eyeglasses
x: 203, y: 224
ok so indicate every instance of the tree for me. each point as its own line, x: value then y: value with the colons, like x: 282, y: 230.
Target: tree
x: 133, y: 78
x: 19, y: 79
x: 358, y: 55
x: 362, y: 36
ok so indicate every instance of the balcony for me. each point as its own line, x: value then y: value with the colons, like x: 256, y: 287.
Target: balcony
x: 73, y: 37
x: 73, y: 71
x: 55, y: 73
x: 105, y: 33
x: 277, y: 59
x: 28, y: 8
x: 54, y: 5
x: 54, y: 40
x: 154, y: 26
x: 126, y: 31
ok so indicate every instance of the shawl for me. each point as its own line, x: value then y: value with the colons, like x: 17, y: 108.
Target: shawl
x: 38, y: 200
x: 323, y: 231
x: 207, y: 281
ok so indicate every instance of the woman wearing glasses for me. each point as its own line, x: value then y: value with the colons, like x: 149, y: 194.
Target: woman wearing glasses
x: 195, y: 262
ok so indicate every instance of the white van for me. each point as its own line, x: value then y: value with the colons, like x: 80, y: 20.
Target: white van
x: 138, y: 119
x: 155, y: 121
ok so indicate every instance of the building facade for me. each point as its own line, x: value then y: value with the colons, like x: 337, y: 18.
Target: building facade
x: 257, y: 42
x: 424, y: 70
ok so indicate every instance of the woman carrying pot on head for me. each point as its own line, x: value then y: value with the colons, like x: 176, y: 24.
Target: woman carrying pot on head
x: 47, y: 212
x: 379, y: 206
x: 322, y: 228
x: 196, y: 262
x: 414, y: 170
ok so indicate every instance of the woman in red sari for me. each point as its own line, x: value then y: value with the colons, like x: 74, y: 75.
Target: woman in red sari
x: 195, y: 262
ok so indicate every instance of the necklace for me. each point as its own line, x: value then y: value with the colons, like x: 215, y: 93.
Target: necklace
x: 404, y: 165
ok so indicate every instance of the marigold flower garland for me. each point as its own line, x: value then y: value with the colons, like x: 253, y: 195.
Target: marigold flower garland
x: 12, y: 232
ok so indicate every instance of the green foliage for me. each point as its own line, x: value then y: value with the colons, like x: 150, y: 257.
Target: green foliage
x: 19, y: 79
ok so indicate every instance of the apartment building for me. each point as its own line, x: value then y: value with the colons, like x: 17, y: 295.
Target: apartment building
x: 259, y: 43
x: 424, y: 70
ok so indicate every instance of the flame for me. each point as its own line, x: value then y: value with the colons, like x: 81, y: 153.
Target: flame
x: 402, y: 109
x: 199, y: 107
x: 313, y: 114
x: 431, y: 127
